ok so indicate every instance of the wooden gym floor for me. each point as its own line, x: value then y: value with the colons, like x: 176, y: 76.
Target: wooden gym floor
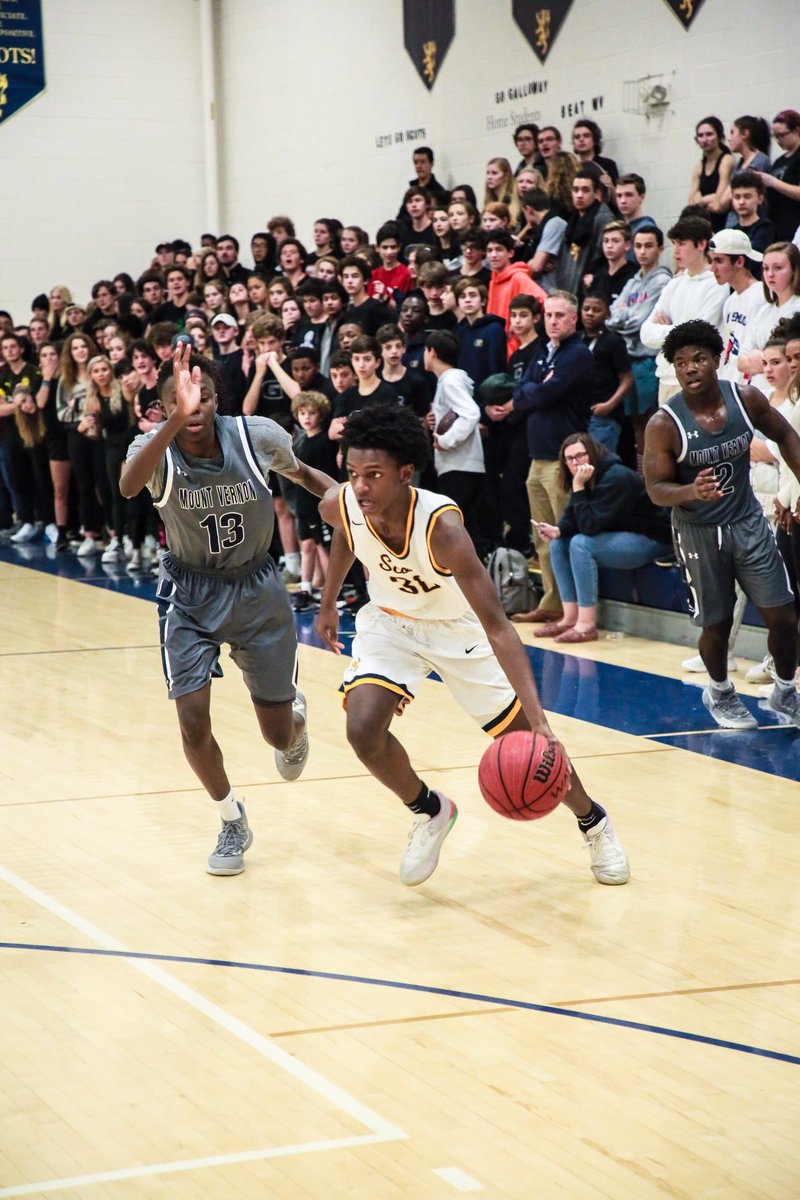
x: 312, y: 1028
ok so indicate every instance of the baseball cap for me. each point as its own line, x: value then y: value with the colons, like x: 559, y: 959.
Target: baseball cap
x: 735, y: 242
x: 225, y: 319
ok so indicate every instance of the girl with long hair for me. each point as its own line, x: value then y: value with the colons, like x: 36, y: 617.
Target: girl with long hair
x: 84, y: 437
x: 499, y: 186
x: 712, y: 175
x: 105, y: 399
x: 55, y: 440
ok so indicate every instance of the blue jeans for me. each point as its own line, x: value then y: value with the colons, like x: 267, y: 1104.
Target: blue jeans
x: 576, y: 560
x: 605, y: 430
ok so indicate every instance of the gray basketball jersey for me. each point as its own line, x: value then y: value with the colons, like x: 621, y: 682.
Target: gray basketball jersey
x: 218, y: 514
x: 728, y: 452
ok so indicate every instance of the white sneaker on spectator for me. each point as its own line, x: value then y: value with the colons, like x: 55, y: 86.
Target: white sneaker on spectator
x: 134, y: 563
x: 112, y: 552
x: 127, y: 546
x: 88, y: 546
x: 150, y: 545
x: 51, y: 532
x: 25, y: 533
x: 696, y: 665
x: 763, y: 672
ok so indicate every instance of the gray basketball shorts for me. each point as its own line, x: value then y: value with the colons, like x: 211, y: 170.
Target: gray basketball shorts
x: 249, y: 611
x: 713, y: 557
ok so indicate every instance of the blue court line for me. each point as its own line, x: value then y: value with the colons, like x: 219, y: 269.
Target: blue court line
x: 398, y: 985
x: 625, y: 699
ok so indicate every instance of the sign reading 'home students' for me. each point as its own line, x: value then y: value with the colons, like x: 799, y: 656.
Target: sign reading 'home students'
x: 21, y: 55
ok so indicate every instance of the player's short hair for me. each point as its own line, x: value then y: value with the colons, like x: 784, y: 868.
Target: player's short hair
x: 394, y: 429
x: 316, y: 401
x: 195, y: 360
x: 692, y: 333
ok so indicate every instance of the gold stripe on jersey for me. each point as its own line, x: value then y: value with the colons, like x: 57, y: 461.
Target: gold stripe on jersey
x: 501, y: 722
x: 409, y: 527
x: 432, y: 519
x: 345, y: 518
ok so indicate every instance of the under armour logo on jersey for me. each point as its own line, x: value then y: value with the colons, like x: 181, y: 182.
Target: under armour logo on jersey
x: 693, y: 433
x: 691, y: 554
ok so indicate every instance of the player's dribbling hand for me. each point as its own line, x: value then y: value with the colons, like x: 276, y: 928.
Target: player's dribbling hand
x: 327, y: 626
x: 706, y: 486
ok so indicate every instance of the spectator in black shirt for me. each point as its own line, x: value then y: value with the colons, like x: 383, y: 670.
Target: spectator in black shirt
x: 432, y: 280
x: 418, y: 224
x: 611, y: 278
x: 105, y: 305
x: 370, y: 314
x: 292, y: 260
x: 411, y: 386
x: 473, y: 253
x: 229, y: 359
x: 587, y: 142
x: 612, y: 376
x: 265, y: 254
x: 412, y: 319
x: 783, y: 182
x: 179, y: 281
x: 365, y: 355
x: 228, y: 255
x: 425, y: 178
x: 304, y: 367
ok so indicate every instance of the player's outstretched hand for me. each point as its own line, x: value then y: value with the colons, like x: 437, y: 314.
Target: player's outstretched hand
x: 706, y: 486
x: 327, y: 626
x: 187, y: 382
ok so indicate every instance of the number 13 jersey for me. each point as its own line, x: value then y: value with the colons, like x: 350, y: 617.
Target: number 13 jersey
x: 408, y: 583
x: 218, y: 513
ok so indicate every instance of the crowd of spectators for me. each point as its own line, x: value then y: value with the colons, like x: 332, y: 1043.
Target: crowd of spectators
x: 516, y: 326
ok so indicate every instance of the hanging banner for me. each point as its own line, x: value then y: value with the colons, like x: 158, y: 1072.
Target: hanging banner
x: 540, y: 23
x: 21, y: 55
x: 685, y: 10
x: 428, y: 28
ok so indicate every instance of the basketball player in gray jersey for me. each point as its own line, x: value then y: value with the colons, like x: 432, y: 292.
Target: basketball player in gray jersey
x: 697, y: 461
x: 217, y: 583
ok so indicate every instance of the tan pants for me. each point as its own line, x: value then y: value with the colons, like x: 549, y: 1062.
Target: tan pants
x: 547, y: 502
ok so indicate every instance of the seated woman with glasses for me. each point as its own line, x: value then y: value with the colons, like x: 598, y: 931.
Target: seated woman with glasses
x: 609, y: 521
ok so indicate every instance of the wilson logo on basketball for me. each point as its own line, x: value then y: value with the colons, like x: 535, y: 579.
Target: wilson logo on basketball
x: 545, y: 768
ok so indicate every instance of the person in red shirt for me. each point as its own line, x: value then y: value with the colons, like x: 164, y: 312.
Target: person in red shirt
x: 391, y: 275
x: 508, y: 280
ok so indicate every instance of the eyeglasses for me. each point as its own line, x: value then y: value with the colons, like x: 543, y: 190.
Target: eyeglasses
x: 571, y: 458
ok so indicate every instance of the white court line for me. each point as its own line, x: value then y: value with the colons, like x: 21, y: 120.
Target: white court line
x: 459, y: 1179
x: 381, y: 1130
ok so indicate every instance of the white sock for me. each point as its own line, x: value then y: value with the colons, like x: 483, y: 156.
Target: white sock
x: 292, y: 562
x: 305, y: 586
x: 717, y: 689
x: 228, y: 808
x: 785, y: 685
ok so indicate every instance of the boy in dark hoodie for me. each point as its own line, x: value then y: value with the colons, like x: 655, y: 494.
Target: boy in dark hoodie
x: 481, y: 336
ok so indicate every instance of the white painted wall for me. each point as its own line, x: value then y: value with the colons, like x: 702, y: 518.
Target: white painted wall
x: 309, y: 84
x: 108, y: 160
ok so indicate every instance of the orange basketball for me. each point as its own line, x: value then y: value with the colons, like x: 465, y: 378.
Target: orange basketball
x: 523, y: 775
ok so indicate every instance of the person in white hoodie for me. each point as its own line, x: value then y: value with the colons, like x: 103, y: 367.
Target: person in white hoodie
x: 454, y: 418
x: 731, y: 255
x: 693, y: 294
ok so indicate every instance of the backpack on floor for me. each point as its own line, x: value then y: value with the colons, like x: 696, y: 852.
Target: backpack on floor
x: 508, y: 570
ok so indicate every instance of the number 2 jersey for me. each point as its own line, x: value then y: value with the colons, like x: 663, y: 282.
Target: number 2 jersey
x: 408, y: 583
x: 218, y: 513
x: 728, y: 452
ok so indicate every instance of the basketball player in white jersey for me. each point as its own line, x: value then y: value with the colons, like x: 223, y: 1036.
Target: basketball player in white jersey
x: 432, y: 608
x: 217, y: 583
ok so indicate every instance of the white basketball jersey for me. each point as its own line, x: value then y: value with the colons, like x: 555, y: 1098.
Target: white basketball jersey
x: 409, y: 583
